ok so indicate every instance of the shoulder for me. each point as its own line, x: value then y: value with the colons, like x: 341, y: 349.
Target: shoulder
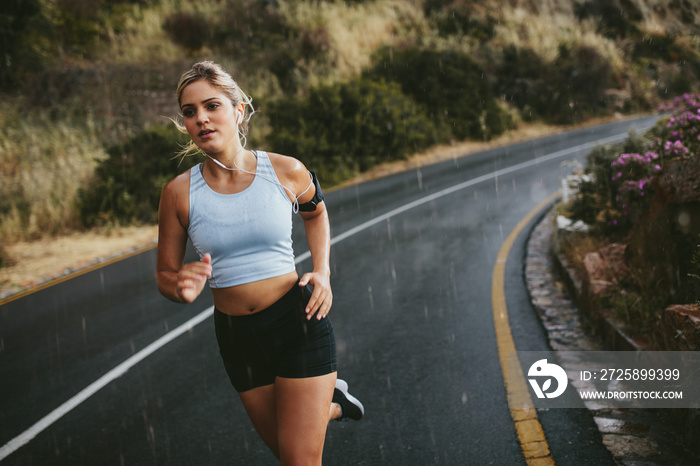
x: 175, y: 194
x: 178, y: 185
x: 289, y: 169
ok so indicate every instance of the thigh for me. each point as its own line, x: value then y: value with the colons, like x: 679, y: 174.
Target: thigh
x: 246, y: 363
x: 302, y: 417
x: 261, y: 406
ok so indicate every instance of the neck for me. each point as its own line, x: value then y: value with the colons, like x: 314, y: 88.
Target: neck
x: 230, y: 164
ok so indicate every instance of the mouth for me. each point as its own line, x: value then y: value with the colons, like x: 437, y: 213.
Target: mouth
x: 205, y: 133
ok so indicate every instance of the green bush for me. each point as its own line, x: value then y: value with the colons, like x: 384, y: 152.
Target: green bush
x: 128, y: 184
x: 597, y: 203
x: 521, y: 79
x: 188, y: 30
x: 453, y: 89
x: 614, y: 20
x: 341, y: 129
x: 19, y: 40
x: 569, y: 90
x: 456, y: 17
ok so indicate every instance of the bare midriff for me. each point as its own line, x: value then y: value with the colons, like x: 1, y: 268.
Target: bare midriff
x: 246, y: 299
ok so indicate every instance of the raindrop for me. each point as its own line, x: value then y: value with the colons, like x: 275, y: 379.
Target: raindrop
x: 388, y: 382
x: 84, y: 333
x: 371, y: 300
x: 464, y: 398
x: 538, y: 192
x: 420, y: 179
x: 684, y: 219
x: 388, y: 228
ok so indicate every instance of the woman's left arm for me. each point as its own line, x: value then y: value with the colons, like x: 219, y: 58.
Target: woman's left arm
x: 318, y: 235
x: 293, y: 174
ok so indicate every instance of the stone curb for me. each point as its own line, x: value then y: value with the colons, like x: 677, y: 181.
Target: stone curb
x: 634, y: 437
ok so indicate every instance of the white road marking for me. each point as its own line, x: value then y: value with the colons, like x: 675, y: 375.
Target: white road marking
x: 26, y: 436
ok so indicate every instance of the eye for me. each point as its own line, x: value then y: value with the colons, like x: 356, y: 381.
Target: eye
x: 188, y: 113
x: 212, y: 106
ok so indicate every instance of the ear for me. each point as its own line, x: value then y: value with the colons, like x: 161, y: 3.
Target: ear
x: 241, y: 113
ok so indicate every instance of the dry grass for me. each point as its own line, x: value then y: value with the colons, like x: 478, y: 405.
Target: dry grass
x: 356, y: 30
x: 38, y: 261
x: 42, y: 166
x: 545, y: 33
x: 141, y: 38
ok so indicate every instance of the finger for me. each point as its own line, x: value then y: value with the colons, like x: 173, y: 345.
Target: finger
x: 314, y: 303
x: 199, y: 267
x: 190, y: 276
x: 305, y: 279
x: 325, y: 307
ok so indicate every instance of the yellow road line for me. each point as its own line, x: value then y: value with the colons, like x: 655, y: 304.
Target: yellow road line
x: 77, y: 273
x: 522, y: 410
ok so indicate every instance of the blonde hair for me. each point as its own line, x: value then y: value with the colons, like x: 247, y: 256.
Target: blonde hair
x: 217, y: 77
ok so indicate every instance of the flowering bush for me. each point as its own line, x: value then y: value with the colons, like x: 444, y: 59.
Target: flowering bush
x: 680, y: 136
x: 632, y: 173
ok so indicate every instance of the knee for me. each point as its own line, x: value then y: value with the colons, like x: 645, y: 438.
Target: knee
x: 301, y: 455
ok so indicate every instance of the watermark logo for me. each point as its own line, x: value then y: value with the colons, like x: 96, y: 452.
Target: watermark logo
x: 543, y: 370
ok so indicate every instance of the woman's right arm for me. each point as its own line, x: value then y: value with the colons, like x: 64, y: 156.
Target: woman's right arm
x: 177, y: 281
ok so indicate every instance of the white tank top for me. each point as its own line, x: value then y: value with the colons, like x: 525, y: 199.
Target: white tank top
x: 248, y: 234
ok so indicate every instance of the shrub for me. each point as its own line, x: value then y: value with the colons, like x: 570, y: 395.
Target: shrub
x: 622, y: 187
x: 249, y: 26
x: 520, y: 81
x: 679, y: 135
x: 18, y: 40
x: 598, y: 203
x: 452, y: 88
x: 614, y: 20
x: 566, y: 91
x: 344, y: 128
x: 129, y: 182
x: 187, y: 30
x: 456, y: 17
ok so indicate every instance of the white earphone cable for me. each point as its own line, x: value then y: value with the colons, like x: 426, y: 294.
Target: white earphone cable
x: 295, y: 204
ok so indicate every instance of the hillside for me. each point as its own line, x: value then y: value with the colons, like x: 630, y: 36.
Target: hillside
x: 89, y: 83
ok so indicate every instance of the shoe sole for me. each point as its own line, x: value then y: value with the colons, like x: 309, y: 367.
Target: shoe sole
x: 342, y: 385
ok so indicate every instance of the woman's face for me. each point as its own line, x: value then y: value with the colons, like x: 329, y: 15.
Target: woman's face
x: 210, y: 118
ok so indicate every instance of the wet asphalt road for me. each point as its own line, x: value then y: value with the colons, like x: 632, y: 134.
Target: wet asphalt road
x: 413, y: 321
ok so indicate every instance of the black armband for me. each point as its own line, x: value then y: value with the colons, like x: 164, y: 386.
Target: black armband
x: 318, y: 196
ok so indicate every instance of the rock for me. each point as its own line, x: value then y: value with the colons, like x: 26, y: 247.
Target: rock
x: 678, y: 328
x: 666, y: 235
x: 605, y: 267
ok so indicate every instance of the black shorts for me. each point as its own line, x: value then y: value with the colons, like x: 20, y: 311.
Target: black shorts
x: 277, y: 341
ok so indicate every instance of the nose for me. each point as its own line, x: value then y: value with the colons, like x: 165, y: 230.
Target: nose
x: 202, y: 118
